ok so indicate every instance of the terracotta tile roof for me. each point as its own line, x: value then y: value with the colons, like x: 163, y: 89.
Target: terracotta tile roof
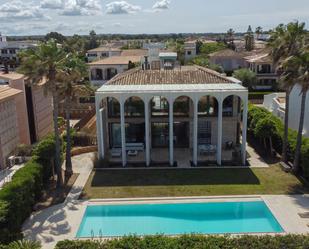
x: 8, y: 92
x: 226, y: 53
x: 116, y: 60
x: 104, y: 49
x: 183, y: 75
x: 134, y: 52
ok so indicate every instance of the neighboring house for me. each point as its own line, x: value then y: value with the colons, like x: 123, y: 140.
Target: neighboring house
x: 103, y: 70
x: 9, y: 53
x: 275, y: 103
x: 34, y: 108
x: 266, y: 73
x: 102, y: 52
x: 9, y: 135
x: 190, y: 50
x: 228, y: 59
x: 183, y: 116
x: 83, y: 102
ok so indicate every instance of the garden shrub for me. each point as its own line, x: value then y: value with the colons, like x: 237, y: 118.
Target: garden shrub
x: 261, y: 121
x: 192, y: 242
x: 45, y: 151
x: 17, y: 199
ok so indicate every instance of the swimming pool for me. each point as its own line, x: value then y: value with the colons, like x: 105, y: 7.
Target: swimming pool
x: 175, y: 219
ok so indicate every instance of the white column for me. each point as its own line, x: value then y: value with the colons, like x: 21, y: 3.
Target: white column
x: 100, y: 140
x: 219, y: 141
x: 244, y: 132
x: 147, y: 133
x: 195, y: 131
x: 171, y: 131
x: 123, y: 134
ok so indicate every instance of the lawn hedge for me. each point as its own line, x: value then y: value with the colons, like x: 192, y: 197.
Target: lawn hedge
x: 193, y: 242
x: 18, y: 196
x: 256, y: 120
x: 17, y: 199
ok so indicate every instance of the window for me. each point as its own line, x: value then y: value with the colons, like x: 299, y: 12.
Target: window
x: 204, y: 132
x: 264, y: 68
x: 113, y: 108
x: 228, y: 106
x: 115, y: 135
x: 189, y: 53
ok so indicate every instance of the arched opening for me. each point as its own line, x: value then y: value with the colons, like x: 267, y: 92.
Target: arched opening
x: 134, y: 111
x: 183, y: 130
x: 159, y: 129
x: 207, y: 130
x: 134, y: 107
x: 231, y: 130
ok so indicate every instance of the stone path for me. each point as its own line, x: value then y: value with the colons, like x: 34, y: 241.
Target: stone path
x: 61, y: 221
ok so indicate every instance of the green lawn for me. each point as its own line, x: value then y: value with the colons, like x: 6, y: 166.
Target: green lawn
x: 190, y: 182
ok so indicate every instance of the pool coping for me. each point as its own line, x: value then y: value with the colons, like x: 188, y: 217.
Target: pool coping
x: 178, y: 200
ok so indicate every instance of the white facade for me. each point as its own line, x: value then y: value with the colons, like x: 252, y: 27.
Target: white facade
x: 273, y: 104
x: 171, y: 92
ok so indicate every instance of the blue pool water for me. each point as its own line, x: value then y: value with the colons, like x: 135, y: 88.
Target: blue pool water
x: 175, y: 219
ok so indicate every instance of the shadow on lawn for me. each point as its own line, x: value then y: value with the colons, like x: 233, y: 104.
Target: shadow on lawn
x: 157, y: 177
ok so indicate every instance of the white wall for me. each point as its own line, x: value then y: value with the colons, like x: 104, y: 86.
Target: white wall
x: 271, y: 103
x: 294, y: 113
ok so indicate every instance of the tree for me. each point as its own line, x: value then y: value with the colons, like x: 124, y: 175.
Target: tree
x: 246, y: 76
x: 92, y: 43
x: 72, y: 71
x: 258, y: 32
x: 230, y: 35
x: 198, y: 46
x: 303, y: 61
x: 40, y: 64
x: 75, y: 43
x: 265, y: 128
x: 286, y: 40
x: 59, y: 38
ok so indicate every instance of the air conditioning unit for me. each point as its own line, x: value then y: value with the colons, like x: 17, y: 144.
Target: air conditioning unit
x: 19, y: 160
x: 11, y: 161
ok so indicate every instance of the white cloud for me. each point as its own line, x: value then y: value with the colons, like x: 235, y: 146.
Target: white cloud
x: 52, y: 4
x: 17, y: 10
x: 73, y: 7
x: 121, y: 7
x: 161, y: 5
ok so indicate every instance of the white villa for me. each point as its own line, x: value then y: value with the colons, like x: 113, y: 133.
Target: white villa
x: 275, y: 103
x: 185, y: 116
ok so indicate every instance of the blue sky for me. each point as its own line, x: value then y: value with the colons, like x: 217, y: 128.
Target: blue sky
x: 145, y: 16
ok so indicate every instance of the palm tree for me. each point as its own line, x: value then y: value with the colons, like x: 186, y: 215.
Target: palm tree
x: 230, y: 34
x: 286, y: 40
x: 40, y: 64
x: 73, y: 71
x: 303, y: 62
x: 258, y: 31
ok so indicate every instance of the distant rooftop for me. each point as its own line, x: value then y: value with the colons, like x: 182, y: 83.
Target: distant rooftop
x: 104, y: 49
x: 117, y: 60
x: 182, y: 75
x: 134, y: 52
